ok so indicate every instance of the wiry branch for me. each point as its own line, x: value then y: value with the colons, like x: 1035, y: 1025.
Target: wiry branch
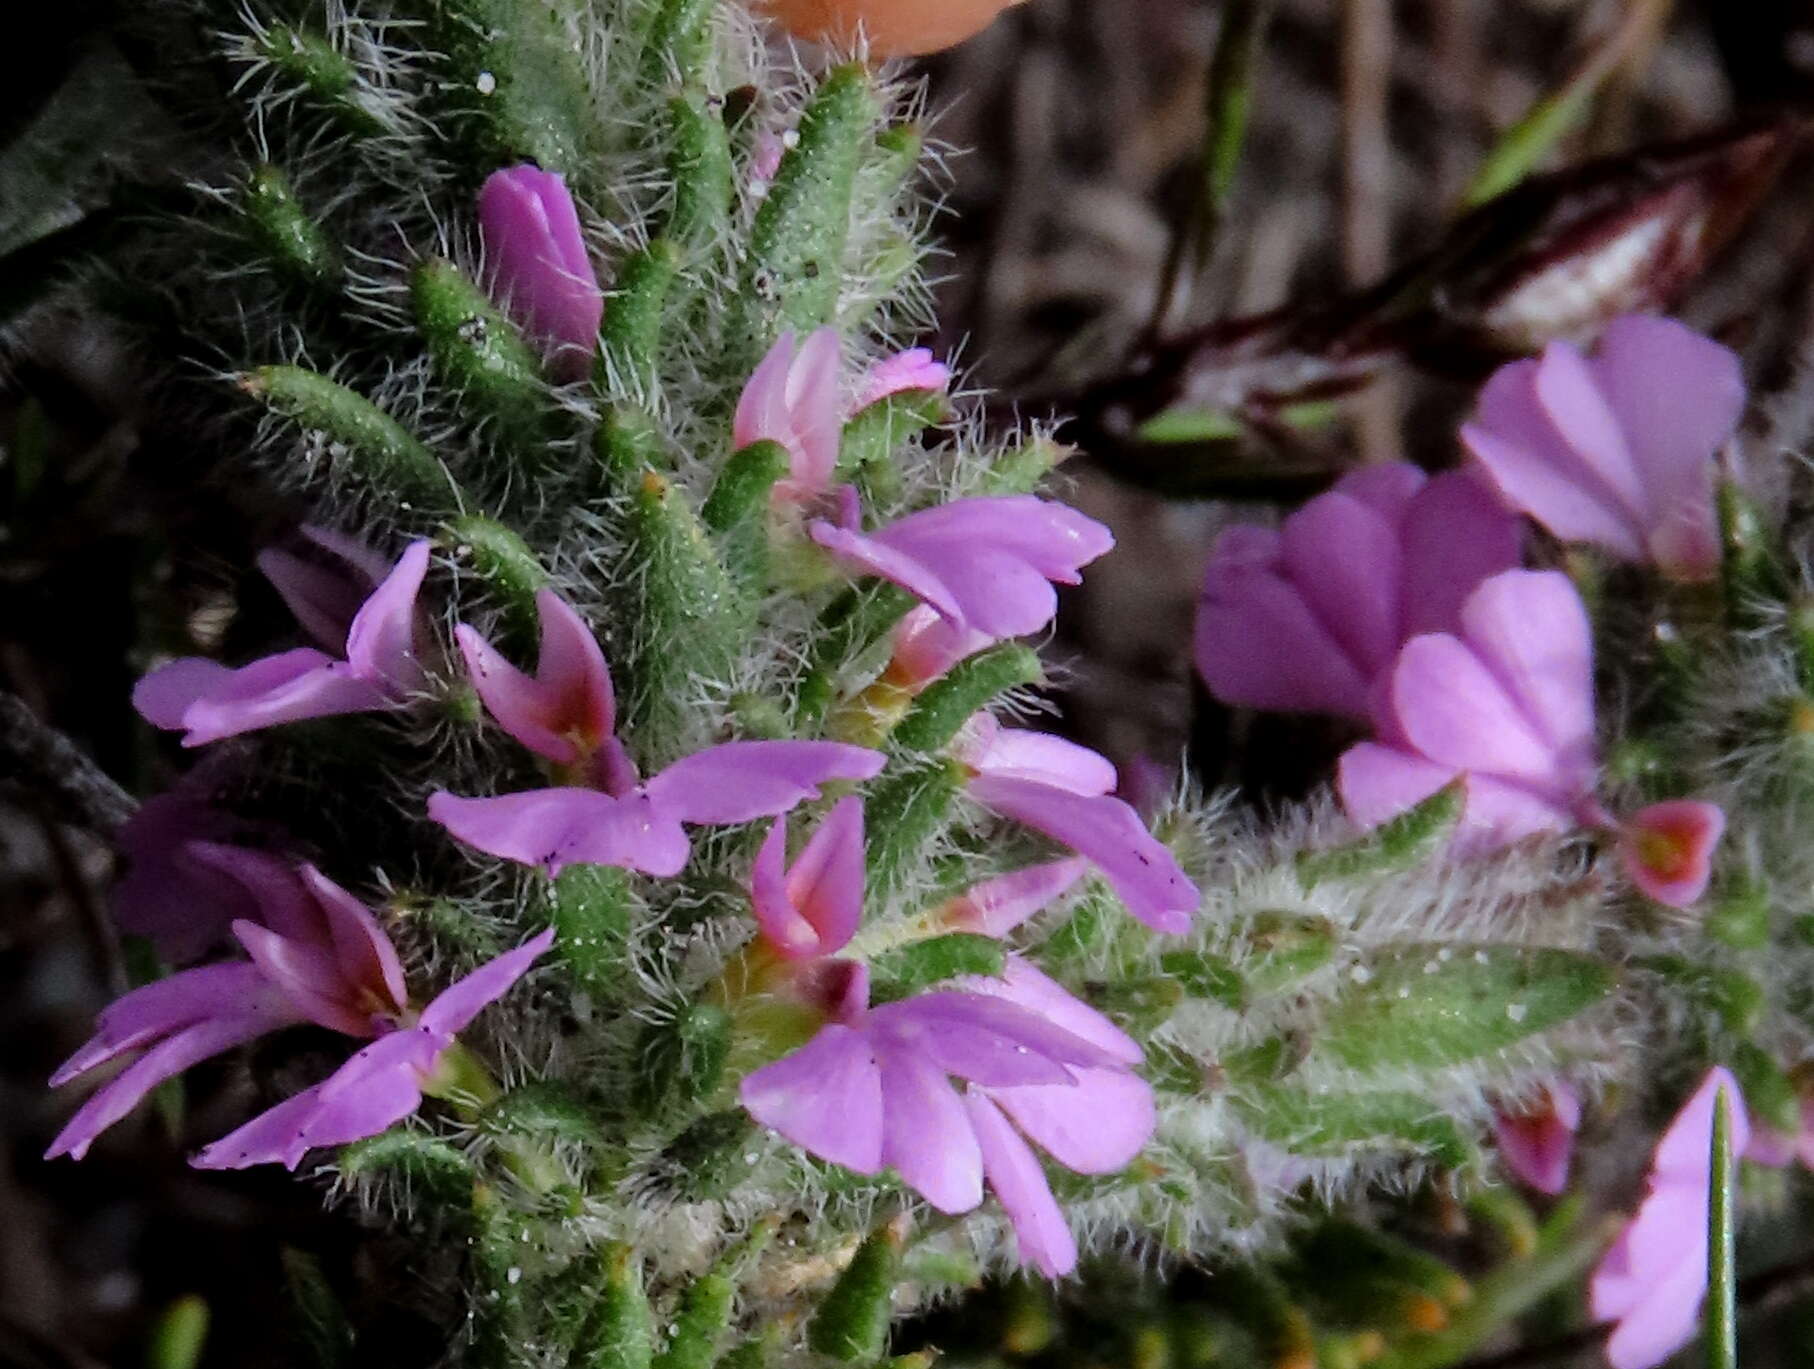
x: 49, y: 767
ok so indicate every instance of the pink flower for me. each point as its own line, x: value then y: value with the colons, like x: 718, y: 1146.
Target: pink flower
x: 382, y: 1084
x: 873, y: 1087
x: 325, y: 590
x: 1508, y: 703
x: 1667, y: 849
x: 913, y: 369
x: 316, y: 955
x: 1617, y: 449
x: 1308, y: 617
x: 926, y: 645
x: 997, y: 906
x: 813, y: 907
x: 792, y: 399
x: 1538, y: 1141
x: 537, y: 267
x: 1063, y: 790
x: 1653, y: 1279
x: 566, y: 713
x: 207, y: 700
x: 986, y: 566
x: 170, y: 892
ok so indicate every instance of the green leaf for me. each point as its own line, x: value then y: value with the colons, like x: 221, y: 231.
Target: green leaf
x: 852, y: 1322
x: 1328, y: 1122
x: 1429, y: 1006
x: 478, y: 352
x: 682, y: 1060
x: 946, y: 704
x: 621, y: 1331
x: 631, y: 332
x: 432, y: 1168
x: 369, y: 443
x: 592, y: 914
x: 908, y: 969
x: 1271, y: 952
x: 294, y: 244
x: 876, y: 432
x: 796, y: 254
x: 1399, y: 844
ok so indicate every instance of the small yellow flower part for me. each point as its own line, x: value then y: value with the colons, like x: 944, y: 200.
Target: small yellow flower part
x: 893, y: 28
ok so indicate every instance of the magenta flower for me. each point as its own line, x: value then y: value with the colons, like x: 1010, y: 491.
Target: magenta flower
x: 873, y: 1087
x: 926, y: 645
x: 566, y: 713
x: 1508, y: 703
x: 170, y: 893
x: 792, y: 398
x: 537, y: 267
x: 1617, y: 449
x: 997, y: 906
x: 913, y: 369
x: 812, y: 908
x: 317, y: 955
x: 207, y: 700
x: 1653, y: 1278
x: 1063, y: 790
x: 1667, y: 849
x: 985, y: 565
x: 1537, y: 1141
x: 382, y: 1084
x: 325, y: 590
x: 1306, y: 618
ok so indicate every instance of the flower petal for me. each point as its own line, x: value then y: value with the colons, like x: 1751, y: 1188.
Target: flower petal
x: 1259, y: 645
x: 826, y: 1098
x: 162, y: 1008
x: 1095, y: 1126
x: 826, y: 880
x: 997, y: 906
x: 1143, y: 873
x: 381, y: 645
x: 740, y: 781
x: 1667, y: 849
x: 1344, y: 559
x: 237, y: 1021
x: 1023, y: 983
x: 1456, y: 712
x: 448, y: 1014
x: 926, y: 1133
x: 1019, y: 1183
x: 555, y: 828
x: 1456, y: 533
x: 292, y: 686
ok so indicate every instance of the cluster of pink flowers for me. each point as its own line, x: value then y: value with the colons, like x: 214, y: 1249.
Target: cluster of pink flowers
x: 1398, y: 601
x: 872, y: 1087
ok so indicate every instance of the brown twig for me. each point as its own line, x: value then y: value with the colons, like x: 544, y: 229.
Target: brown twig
x: 47, y: 765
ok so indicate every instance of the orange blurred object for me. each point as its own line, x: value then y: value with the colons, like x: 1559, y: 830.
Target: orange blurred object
x: 894, y: 28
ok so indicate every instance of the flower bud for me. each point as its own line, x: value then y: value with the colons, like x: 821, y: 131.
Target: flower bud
x: 538, y: 265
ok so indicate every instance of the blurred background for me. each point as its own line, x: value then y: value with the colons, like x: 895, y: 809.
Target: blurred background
x: 1074, y: 133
